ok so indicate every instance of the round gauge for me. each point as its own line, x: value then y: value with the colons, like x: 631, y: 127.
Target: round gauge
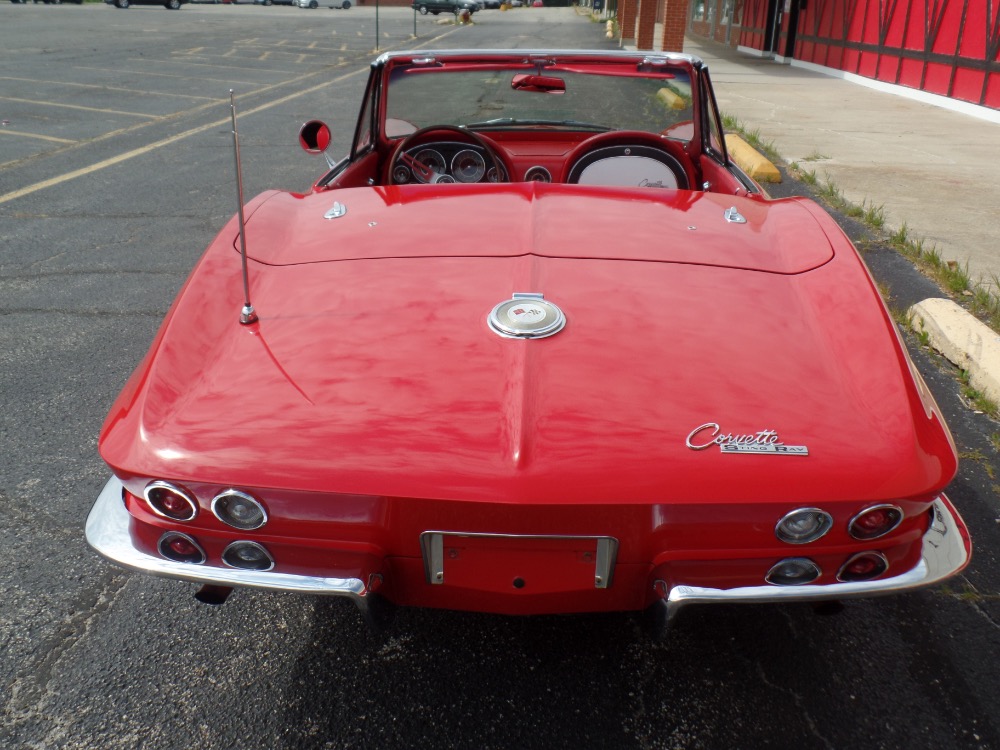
x: 400, y: 175
x: 432, y: 160
x: 537, y: 174
x: 468, y: 166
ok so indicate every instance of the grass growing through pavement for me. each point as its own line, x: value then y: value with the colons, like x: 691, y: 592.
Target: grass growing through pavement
x: 752, y: 137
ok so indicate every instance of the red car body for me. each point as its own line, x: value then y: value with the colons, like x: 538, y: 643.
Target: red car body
x: 708, y: 363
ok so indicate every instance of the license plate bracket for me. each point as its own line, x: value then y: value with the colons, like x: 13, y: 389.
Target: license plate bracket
x: 532, y: 562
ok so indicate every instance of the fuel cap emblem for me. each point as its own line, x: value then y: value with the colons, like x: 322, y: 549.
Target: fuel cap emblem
x: 526, y: 316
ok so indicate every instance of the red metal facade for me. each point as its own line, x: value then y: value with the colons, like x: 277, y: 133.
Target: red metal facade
x: 946, y: 47
x: 755, y: 24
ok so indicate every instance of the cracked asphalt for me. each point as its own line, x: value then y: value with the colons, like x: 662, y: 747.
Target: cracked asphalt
x: 115, y: 172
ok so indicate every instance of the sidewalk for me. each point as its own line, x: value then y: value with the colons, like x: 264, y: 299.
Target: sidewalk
x: 932, y: 169
x: 935, y: 170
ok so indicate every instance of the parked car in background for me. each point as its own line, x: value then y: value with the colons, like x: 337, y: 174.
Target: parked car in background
x: 275, y: 2
x: 444, y: 6
x: 168, y: 4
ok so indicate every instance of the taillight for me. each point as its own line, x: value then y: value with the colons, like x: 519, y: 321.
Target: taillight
x: 876, y: 521
x: 181, y: 548
x: 170, y: 501
x: 247, y: 556
x: 793, y: 571
x: 803, y: 526
x: 239, y: 510
x: 863, y: 567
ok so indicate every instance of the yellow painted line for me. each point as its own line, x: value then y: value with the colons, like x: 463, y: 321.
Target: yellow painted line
x: 264, y: 56
x: 59, y: 179
x: 281, y: 46
x: 77, y: 106
x: 104, y: 88
x: 7, y: 131
x: 229, y: 82
x: 184, y: 113
x: 120, y: 131
x: 193, y: 64
x: 163, y: 142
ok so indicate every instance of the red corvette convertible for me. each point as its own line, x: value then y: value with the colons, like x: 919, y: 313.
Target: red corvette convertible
x: 535, y: 345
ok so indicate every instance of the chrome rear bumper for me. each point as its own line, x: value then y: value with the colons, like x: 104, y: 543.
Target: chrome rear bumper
x: 108, y: 532
x: 946, y: 551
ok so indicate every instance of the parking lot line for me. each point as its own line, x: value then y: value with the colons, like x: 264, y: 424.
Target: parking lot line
x: 101, y: 87
x: 40, y: 102
x: 22, y: 134
x: 59, y: 179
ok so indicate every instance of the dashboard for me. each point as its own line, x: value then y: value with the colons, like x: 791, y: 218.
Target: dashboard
x: 449, y: 161
x: 600, y: 160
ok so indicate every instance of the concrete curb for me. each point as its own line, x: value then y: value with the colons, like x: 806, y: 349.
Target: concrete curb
x: 962, y: 339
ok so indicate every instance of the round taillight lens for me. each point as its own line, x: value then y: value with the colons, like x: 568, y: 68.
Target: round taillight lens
x: 170, y: 501
x: 793, y: 571
x: 863, y: 567
x: 247, y: 556
x: 871, y: 523
x: 803, y: 526
x: 239, y: 510
x: 181, y: 548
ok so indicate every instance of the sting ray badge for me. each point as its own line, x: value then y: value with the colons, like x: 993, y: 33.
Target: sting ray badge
x: 526, y: 315
x: 763, y: 441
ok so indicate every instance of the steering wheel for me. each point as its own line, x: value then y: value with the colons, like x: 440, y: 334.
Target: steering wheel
x: 617, y: 144
x: 424, y: 173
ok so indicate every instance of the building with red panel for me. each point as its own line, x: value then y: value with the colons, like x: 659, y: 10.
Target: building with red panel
x: 942, y: 47
x: 947, y: 48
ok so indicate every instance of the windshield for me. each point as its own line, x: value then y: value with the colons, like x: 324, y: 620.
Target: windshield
x: 485, y: 98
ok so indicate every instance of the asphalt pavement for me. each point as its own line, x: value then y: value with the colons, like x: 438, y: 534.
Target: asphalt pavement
x: 116, y: 170
x: 929, y: 162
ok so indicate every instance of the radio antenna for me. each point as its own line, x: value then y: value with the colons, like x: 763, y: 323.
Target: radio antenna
x: 248, y: 314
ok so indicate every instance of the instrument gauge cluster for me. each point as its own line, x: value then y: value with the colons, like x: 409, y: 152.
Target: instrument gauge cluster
x: 449, y: 162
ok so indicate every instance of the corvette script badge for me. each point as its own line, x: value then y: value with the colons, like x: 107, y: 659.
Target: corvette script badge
x: 763, y: 441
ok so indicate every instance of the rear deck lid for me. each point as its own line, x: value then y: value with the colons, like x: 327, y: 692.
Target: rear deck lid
x: 555, y: 221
